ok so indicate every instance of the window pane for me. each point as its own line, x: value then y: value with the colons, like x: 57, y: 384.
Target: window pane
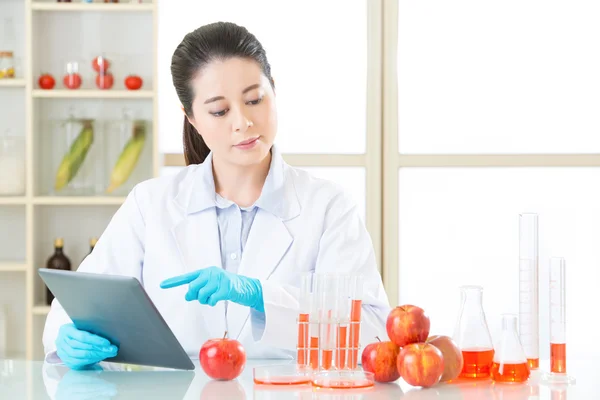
x: 498, y: 77
x: 351, y: 179
x: 319, y: 68
x: 461, y: 226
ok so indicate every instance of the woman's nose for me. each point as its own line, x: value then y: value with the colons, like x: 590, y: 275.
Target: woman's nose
x: 242, y: 123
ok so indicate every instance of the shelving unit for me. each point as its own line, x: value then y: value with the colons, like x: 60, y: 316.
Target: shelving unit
x: 92, y: 94
x: 12, y: 83
x: 41, y: 216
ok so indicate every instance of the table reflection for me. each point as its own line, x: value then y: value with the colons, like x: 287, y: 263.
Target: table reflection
x: 112, y: 381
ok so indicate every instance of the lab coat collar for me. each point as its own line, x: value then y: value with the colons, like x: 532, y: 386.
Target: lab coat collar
x: 278, y: 196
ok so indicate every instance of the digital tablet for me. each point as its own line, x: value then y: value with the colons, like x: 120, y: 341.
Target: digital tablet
x: 118, y: 308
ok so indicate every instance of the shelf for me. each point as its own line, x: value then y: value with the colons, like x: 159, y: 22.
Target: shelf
x: 91, y: 7
x: 41, y: 309
x: 12, y: 82
x: 93, y: 94
x: 76, y: 201
x: 12, y: 201
x: 12, y: 267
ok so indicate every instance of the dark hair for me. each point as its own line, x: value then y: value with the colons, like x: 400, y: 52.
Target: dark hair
x: 216, y: 41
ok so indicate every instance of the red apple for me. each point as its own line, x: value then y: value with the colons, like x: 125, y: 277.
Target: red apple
x: 421, y: 364
x: 407, y: 324
x: 380, y: 359
x: 453, y: 357
x: 222, y: 359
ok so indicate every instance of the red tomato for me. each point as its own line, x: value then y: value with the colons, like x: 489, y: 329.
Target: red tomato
x: 105, y: 81
x: 72, y: 81
x: 133, y: 82
x: 100, y: 64
x: 46, y: 81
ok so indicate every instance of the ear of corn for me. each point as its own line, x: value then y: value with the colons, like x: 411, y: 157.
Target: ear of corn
x: 129, y: 157
x: 72, y: 161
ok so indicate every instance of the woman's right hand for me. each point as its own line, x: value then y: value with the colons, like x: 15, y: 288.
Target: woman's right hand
x: 78, y: 349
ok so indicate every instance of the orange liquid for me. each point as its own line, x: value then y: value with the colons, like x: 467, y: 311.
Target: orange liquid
x: 283, y: 380
x: 558, y: 358
x: 533, y: 363
x: 477, y: 363
x: 314, y: 352
x: 302, y: 338
x: 358, y: 384
x: 355, y: 312
x: 340, y: 359
x: 510, y: 372
x: 327, y: 357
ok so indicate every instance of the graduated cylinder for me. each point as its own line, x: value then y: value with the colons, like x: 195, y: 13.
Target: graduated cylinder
x: 329, y: 321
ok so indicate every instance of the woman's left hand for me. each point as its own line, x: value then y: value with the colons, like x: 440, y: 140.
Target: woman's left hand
x: 213, y: 284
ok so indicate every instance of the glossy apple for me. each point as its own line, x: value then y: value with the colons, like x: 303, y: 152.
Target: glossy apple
x: 453, y: 357
x: 380, y: 359
x: 407, y: 324
x: 222, y: 359
x: 421, y: 364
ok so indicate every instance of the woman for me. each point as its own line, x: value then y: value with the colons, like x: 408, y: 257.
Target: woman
x: 222, y: 244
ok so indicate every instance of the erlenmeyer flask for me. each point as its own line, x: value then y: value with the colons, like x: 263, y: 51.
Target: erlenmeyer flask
x: 510, y: 364
x: 473, y: 335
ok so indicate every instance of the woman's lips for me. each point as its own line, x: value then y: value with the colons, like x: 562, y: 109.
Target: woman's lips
x: 246, y: 144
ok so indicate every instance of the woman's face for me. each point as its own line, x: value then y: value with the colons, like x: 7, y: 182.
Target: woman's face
x: 234, y: 110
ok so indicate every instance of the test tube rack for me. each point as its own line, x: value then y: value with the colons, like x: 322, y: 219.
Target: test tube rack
x: 329, y: 324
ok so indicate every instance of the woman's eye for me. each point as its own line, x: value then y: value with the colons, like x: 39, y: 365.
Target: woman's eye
x: 219, y: 113
x: 255, y: 102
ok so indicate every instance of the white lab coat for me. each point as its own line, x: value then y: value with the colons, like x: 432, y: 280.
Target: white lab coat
x: 163, y: 229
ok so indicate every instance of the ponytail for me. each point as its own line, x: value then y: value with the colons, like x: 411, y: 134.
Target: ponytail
x: 195, y: 150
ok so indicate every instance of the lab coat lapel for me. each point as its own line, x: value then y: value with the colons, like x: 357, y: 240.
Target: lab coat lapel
x: 197, y: 238
x: 267, y: 243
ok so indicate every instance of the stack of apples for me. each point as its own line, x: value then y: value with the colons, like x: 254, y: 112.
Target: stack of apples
x: 410, y: 353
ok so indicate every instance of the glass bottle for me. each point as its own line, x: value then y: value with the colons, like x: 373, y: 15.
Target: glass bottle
x: 7, y: 48
x: 510, y: 364
x: 12, y: 164
x: 58, y: 260
x: 473, y: 335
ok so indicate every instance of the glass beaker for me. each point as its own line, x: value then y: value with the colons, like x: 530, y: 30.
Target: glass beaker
x: 12, y: 164
x: 473, y: 335
x: 510, y: 364
x: 127, y: 153
x: 76, y: 163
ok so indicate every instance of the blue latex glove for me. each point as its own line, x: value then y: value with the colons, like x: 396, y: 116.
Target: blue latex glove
x: 213, y: 284
x: 79, y: 349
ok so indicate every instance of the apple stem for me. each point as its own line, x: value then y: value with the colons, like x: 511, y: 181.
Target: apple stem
x: 377, y: 337
x: 225, y: 335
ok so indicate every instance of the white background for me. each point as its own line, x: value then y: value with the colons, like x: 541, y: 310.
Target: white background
x: 506, y: 77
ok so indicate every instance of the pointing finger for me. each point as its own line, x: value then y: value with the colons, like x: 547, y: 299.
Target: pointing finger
x: 180, y: 279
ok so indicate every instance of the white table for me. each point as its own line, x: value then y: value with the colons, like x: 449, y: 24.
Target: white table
x: 20, y: 379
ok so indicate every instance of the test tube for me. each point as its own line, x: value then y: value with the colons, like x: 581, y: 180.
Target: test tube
x: 343, y: 322
x: 528, y: 288
x: 313, y: 325
x: 328, y: 294
x: 356, y: 293
x: 306, y: 281
x: 558, y: 325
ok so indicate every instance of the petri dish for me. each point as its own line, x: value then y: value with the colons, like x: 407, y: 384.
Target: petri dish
x: 287, y: 374
x: 340, y: 379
